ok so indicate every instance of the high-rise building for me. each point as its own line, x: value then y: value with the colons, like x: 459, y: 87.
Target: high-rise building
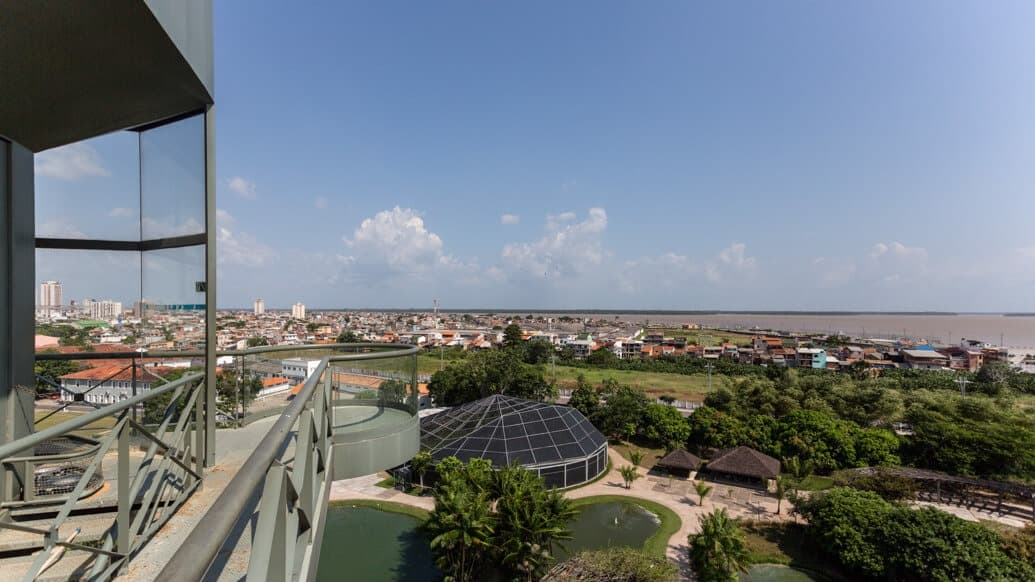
x: 105, y: 310
x: 298, y: 311
x: 50, y: 295
x: 260, y: 307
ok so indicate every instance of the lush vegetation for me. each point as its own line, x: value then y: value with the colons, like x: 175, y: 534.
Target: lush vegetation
x: 488, y: 372
x: 52, y: 370
x: 871, y: 537
x: 621, y: 564
x: 718, y: 552
x: 487, y: 520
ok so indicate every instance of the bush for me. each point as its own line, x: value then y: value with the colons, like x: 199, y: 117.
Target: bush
x: 889, y: 486
x: 618, y: 564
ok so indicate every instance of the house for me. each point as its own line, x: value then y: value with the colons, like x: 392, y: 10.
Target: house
x: 924, y: 359
x: 274, y: 385
x: 109, y: 384
x: 744, y: 463
x: 297, y: 369
x: 812, y: 358
x: 711, y: 352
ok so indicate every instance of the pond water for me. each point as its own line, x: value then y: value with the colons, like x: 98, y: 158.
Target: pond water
x: 776, y: 573
x: 363, y: 543
x: 603, y: 525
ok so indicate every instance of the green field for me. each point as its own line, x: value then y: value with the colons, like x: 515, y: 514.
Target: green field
x: 90, y: 430
x: 679, y: 386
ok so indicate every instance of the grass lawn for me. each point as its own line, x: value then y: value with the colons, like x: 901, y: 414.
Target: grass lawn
x: 421, y: 514
x: 650, y: 455
x: 788, y: 544
x: 90, y: 430
x: 816, y: 483
x: 679, y: 386
x: 656, y: 544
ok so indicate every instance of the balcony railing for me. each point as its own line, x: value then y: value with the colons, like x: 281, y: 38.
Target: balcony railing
x: 293, y: 462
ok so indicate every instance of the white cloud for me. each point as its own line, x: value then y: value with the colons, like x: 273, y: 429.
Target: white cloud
x: 70, y: 162
x: 320, y: 202
x: 510, y: 219
x: 122, y: 213
x: 565, y: 249
x: 730, y: 261
x: 397, y: 238
x: 59, y: 228
x: 239, y: 248
x: 242, y: 187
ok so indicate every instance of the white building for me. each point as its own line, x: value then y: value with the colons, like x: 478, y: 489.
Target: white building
x: 104, y: 310
x: 297, y: 369
x: 109, y: 384
x: 298, y: 311
x: 50, y: 296
x: 259, y: 308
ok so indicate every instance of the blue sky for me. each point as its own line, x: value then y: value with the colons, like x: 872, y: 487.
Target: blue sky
x: 669, y: 155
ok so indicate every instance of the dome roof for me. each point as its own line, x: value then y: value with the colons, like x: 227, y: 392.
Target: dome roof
x: 506, y: 430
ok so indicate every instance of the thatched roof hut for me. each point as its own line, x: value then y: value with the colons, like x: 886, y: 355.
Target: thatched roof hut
x: 679, y: 461
x: 745, y: 462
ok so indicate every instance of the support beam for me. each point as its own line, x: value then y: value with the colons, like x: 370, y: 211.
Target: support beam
x: 17, y: 306
x: 210, y: 286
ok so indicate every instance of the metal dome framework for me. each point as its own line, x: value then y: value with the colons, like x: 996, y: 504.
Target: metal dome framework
x: 556, y: 442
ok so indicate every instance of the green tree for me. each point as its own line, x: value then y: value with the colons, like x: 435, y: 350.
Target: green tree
x: 52, y: 370
x: 512, y: 336
x: 629, y: 475
x: 635, y: 457
x: 346, y: 337
x: 783, y: 486
x: 461, y: 531
x: 420, y: 463
x: 624, y: 411
x: 530, y: 520
x: 702, y: 489
x: 718, y: 552
x: 257, y: 341
x: 538, y: 351
x: 485, y: 373
x: 585, y: 399
x: 664, y: 425
x: 392, y: 391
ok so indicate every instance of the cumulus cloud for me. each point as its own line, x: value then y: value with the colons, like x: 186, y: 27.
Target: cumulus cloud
x: 70, y: 162
x: 731, y: 260
x: 566, y: 248
x: 239, y: 248
x: 242, y: 187
x: 510, y: 219
x: 397, y: 238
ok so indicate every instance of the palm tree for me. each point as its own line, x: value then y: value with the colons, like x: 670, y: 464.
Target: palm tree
x: 629, y: 475
x: 635, y: 456
x: 461, y: 532
x: 703, y: 489
x: 783, y: 485
x: 718, y: 551
x: 420, y: 463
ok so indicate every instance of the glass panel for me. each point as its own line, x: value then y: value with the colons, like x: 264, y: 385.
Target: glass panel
x: 172, y: 179
x: 89, y: 189
x: 76, y: 285
x: 172, y: 294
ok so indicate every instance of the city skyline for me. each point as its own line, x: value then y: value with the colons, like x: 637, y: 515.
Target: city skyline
x: 857, y: 158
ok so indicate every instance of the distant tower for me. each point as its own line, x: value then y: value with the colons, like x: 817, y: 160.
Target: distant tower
x: 298, y: 311
x: 436, y: 313
x: 50, y: 296
x: 260, y: 307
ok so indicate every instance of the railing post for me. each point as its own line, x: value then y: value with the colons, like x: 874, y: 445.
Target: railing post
x: 122, y: 544
x: 200, y: 426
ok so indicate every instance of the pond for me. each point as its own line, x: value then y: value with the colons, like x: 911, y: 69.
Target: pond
x: 776, y: 573
x: 373, y: 545
x: 602, y: 525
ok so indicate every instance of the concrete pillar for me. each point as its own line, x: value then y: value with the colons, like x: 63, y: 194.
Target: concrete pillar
x: 17, y: 278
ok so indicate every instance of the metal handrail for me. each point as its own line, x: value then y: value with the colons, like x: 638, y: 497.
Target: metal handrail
x: 197, y: 553
x: 8, y: 449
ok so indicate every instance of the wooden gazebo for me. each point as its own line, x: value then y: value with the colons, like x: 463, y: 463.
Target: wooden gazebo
x: 679, y: 462
x: 744, y: 463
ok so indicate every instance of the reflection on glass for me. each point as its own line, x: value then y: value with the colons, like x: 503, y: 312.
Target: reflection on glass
x: 89, y: 189
x: 172, y: 179
x: 83, y: 277
x: 173, y: 291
